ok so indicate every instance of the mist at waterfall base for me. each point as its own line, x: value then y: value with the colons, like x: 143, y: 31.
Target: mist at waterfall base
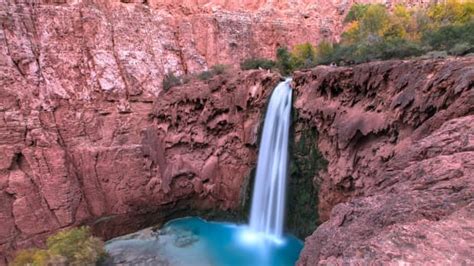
x: 194, y: 241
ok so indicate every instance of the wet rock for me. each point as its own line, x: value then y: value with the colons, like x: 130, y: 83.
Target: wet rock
x: 185, y: 239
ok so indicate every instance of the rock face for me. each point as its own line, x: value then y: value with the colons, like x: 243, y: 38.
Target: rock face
x: 125, y: 162
x: 129, y: 45
x: 399, y: 139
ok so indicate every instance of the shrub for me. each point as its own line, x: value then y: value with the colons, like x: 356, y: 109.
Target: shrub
x: 219, y: 69
x: 356, y: 12
x: 451, y: 11
x: 448, y: 36
x: 205, y: 75
x: 170, y: 80
x: 324, y: 52
x: 375, y: 20
x: 284, y: 61
x: 256, y: 63
x: 373, y: 33
x: 303, y: 56
x: 397, y: 48
x: 31, y: 257
x: 75, y: 246
x: 215, y: 70
x: 461, y: 49
x: 435, y: 55
x: 184, y: 79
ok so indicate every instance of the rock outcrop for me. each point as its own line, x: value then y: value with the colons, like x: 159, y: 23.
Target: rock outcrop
x: 399, y: 139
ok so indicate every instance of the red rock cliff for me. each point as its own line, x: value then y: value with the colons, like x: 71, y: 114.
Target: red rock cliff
x: 121, y: 164
x: 399, y: 139
x: 81, y: 46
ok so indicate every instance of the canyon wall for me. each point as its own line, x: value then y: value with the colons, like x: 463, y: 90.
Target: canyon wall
x: 399, y: 140
x: 122, y: 163
x: 70, y: 43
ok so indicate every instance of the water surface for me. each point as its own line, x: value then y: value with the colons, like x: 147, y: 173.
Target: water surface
x: 193, y: 241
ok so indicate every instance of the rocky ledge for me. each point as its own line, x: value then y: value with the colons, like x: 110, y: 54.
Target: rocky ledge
x: 399, y: 140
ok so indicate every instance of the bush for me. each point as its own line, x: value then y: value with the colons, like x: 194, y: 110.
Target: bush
x: 219, y: 69
x: 448, y: 36
x: 205, y: 75
x: 435, y: 55
x: 256, y: 63
x: 31, y: 257
x: 170, y: 80
x: 215, y: 70
x: 451, y: 12
x: 324, y: 52
x: 461, y: 49
x: 284, y: 61
x: 303, y: 56
x: 184, y: 79
x: 375, y: 20
x: 75, y: 246
x: 397, y: 48
x: 356, y: 12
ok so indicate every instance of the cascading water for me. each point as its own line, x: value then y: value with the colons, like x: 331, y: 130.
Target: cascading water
x: 268, y: 200
x: 193, y: 241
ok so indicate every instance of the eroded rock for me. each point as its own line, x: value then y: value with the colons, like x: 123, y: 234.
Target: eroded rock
x: 399, y: 140
x: 88, y: 162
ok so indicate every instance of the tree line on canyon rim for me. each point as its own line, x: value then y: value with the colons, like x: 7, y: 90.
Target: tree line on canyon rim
x: 372, y: 32
x: 375, y: 33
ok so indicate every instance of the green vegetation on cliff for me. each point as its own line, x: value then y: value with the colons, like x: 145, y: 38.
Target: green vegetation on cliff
x: 305, y: 164
x: 374, y: 32
x: 75, y: 246
x: 171, y: 80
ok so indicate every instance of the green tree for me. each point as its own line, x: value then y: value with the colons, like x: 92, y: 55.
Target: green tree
x: 401, y: 23
x: 447, y: 37
x: 284, y: 61
x: 375, y: 20
x: 256, y: 63
x: 324, y: 52
x: 356, y: 12
x: 303, y: 55
x: 451, y: 11
x: 352, y: 34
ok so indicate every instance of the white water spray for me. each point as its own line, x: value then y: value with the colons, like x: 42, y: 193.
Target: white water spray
x: 268, y: 200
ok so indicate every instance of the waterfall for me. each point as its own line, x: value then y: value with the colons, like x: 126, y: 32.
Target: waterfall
x: 268, y: 199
